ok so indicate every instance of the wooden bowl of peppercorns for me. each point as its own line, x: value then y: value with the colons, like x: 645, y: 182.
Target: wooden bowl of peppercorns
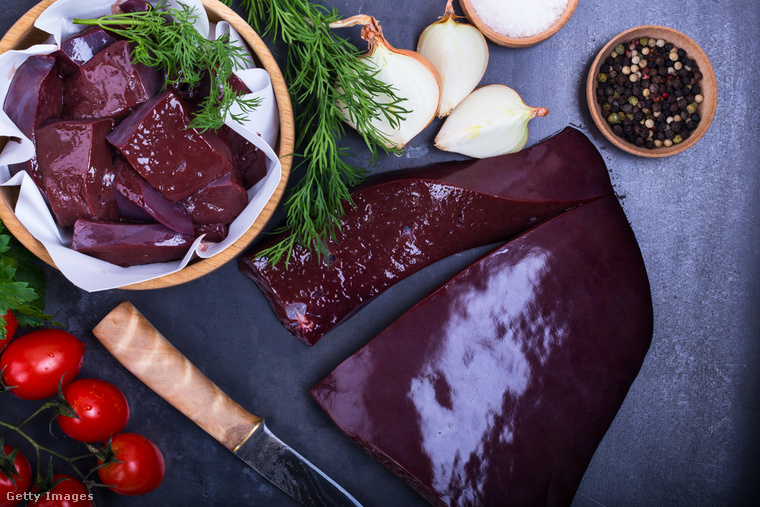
x: 652, y: 91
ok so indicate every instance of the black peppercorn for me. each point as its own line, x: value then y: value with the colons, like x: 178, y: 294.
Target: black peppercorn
x: 649, y: 93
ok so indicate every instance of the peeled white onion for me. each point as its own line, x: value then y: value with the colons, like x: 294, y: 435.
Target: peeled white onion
x: 491, y: 121
x: 459, y: 53
x: 412, y: 77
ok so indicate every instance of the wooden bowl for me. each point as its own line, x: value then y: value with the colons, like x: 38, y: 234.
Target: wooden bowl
x: 23, y: 34
x: 516, y: 42
x: 708, y: 84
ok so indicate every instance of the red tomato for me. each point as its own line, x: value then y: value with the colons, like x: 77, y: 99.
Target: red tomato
x: 36, y: 361
x: 23, y: 481
x: 67, y: 493
x: 142, y: 468
x: 102, y: 409
x: 11, y: 326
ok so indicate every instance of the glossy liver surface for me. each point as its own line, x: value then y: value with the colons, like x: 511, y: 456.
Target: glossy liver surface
x: 176, y: 160
x: 109, y: 85
x: 409, y: 219
x: 126, y: 244
x: 70, y: 154
x: 35, y: 96
x: 497, y: 388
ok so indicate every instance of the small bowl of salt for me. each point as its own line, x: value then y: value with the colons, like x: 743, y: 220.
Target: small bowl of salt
x: 518, y: 23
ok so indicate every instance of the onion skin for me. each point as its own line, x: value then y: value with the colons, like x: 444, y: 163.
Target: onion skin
x: 418, y: 84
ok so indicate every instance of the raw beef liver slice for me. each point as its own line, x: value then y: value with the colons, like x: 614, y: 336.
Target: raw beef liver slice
x: 406, y: 220
x: 497, y: 388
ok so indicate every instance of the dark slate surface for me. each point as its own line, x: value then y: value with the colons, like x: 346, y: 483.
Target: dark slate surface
x: 687, y: 432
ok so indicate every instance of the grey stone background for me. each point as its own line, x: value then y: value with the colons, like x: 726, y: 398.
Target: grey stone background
x: 687, y: 434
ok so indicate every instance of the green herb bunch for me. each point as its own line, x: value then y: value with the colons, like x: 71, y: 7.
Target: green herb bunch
x: 322, y: 68
x: 166, y: 38
x: 22, y: 284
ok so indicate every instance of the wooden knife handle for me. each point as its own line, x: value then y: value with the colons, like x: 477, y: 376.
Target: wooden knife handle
x: 128, y: 335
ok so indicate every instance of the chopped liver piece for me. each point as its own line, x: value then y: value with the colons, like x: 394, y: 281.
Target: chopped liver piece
x: 196, y: 93
x: 74, y: 158
x: 110, y: 85
x: 406, y: 220
x: 129, y: 244
x: 136, y: 190
x: 214, y: 233
x: 81, y: 47
x: 131, y: 6
x: 219, y: 202
x: 35, y: 96
x: 497, y: 388
x: 251, y: 160
x: 176, y: 160
x: 99, y: 194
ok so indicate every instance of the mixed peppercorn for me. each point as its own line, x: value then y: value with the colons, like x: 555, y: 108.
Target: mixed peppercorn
x: 649, y: 93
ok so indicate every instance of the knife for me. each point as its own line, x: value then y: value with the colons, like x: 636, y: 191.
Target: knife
x: 144, y: 351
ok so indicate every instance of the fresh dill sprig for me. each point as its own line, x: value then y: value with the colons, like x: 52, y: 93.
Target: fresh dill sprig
x: 165, y: 38
x: 321, y: 69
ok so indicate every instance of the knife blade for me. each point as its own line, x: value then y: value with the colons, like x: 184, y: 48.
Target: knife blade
x: 145, y: 352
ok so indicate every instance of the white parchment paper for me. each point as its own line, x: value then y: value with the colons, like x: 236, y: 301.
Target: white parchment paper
x: 260, y: 128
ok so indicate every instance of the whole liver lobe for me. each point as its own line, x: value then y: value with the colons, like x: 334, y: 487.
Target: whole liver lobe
x: 497, y: 388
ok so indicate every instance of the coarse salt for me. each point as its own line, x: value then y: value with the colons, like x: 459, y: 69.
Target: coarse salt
x: 519, y: 18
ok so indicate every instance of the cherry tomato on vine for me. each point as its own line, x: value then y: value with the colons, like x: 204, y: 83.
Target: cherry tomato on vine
x: 23, y: 480
x: 102, y: 409
x: 36, y: 361
x: 10, y: 323
x: 68, y: 493
x: 142, y: 468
